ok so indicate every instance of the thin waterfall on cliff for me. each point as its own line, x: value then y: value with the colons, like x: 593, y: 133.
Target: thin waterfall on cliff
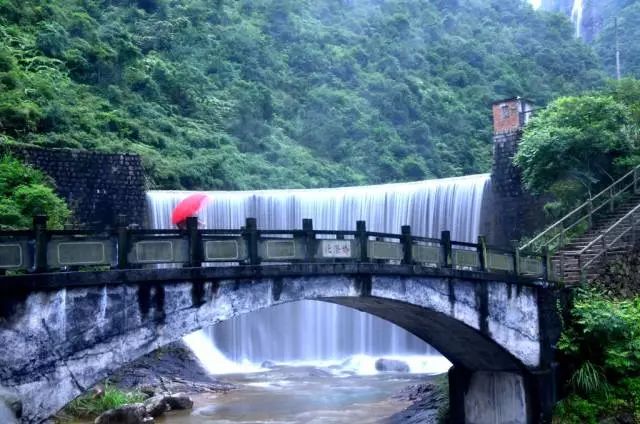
x: 576, y: 15
x: 317, y: 331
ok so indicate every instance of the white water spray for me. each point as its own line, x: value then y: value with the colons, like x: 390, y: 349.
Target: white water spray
x: 317, y: 331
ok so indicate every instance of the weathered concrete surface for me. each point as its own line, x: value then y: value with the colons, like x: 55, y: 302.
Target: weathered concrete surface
x: 56, y: 344
x: 496, y: 397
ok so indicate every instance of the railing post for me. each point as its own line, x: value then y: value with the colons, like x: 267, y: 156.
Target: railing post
x: 635, y: 180
x: 546, y: 263
x: 195, y: 257
x: 309, y: 237
x: 562, y: 235
x: 482, y: 253
x: 407, y: 245
x: 41, y: 239
x: 251, y: 236
x: 611, y: 197
x: 590, y: 211
x: 516, y: 257
x: 361, y: 230
x: 445, y: 242
x: 123, y: 241
x: 580, y: 262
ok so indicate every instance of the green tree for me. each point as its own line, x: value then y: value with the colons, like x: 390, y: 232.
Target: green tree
x: 26, y: 192
x: 576, y: 145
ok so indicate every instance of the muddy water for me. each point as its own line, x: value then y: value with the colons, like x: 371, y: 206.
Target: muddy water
x: 301, y: 395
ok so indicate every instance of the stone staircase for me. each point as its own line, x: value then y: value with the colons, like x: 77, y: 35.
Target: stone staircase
x: 601, y: 229
x: 611, y: 235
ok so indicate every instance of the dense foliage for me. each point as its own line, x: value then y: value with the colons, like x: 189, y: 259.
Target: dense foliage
x: 628, y: 14
x: 25, y: 192
x: 601, y: 348
x: 279, y: 93
x: 578, y: 145
x: 599, y: 29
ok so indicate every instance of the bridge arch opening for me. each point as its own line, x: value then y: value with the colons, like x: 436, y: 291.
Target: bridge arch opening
x: 311, y: 332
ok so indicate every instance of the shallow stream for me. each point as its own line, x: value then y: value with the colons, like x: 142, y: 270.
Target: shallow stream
x: 301, y: 395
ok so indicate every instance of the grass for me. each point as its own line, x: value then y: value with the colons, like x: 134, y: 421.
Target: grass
x: 90, y: 406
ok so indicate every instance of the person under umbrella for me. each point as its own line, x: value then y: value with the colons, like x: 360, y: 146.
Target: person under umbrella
x: 189, y: 206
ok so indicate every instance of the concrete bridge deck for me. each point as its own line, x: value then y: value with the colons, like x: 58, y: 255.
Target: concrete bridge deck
x: 491, y: 312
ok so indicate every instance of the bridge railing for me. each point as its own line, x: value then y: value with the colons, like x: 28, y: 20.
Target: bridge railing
x: 41, y: 250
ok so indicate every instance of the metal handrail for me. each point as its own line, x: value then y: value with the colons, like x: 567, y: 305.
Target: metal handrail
x: 612, y: 243
x: 559, y: 229
x: 611, y: 228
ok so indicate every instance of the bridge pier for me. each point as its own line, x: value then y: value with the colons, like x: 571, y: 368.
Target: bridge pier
x: 501, y: 397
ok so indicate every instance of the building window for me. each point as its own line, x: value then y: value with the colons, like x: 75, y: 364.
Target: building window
x: 506, y: 112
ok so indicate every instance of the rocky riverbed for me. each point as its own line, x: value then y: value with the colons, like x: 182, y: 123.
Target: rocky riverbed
x: 282, y: 393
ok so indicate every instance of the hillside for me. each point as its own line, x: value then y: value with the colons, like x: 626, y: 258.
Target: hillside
x: 279, y: 93
x: 597, y: 27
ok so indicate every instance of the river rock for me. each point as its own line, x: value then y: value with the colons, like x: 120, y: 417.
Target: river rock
x: 179, y: 401
x: 268, y: 364
x: 134, y: 413
x: 156, y: 405
x: 393, y: 365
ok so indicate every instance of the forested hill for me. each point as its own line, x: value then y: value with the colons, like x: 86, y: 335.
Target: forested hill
x: 598, y: 27
x: 280, y: 93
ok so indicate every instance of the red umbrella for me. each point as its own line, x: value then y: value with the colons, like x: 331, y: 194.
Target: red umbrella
x: 188, y: 207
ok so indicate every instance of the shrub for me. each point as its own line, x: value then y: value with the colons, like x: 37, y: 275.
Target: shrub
x: 601, y: 349
x: 26, y: 192
x: 91, y: 405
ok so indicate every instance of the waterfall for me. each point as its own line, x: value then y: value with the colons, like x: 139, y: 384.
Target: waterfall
x: 319, y: 331
x: 576, y: 12
x: 576, y: 15
x: 535, y: 3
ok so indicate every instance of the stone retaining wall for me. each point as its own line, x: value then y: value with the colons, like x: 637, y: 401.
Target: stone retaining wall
x: 97, y: 186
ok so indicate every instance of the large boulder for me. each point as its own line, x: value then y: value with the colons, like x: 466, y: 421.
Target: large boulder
x: 134, y: 413
x: 156, y: 405
x: 159, y: 404
x: 391, y: 365
x: 179, y: 401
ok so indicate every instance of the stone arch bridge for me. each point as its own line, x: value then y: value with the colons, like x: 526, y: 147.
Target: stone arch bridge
x: 491, y: 312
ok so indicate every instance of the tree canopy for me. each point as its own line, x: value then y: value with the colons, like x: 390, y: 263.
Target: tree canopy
x: 271, y: 93
x: 580, y: 144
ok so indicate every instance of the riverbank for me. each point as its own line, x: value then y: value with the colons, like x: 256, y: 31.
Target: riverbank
x: 169, y: 370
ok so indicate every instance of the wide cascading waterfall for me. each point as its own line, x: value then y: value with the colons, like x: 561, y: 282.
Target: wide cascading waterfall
x: 314, y: 331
